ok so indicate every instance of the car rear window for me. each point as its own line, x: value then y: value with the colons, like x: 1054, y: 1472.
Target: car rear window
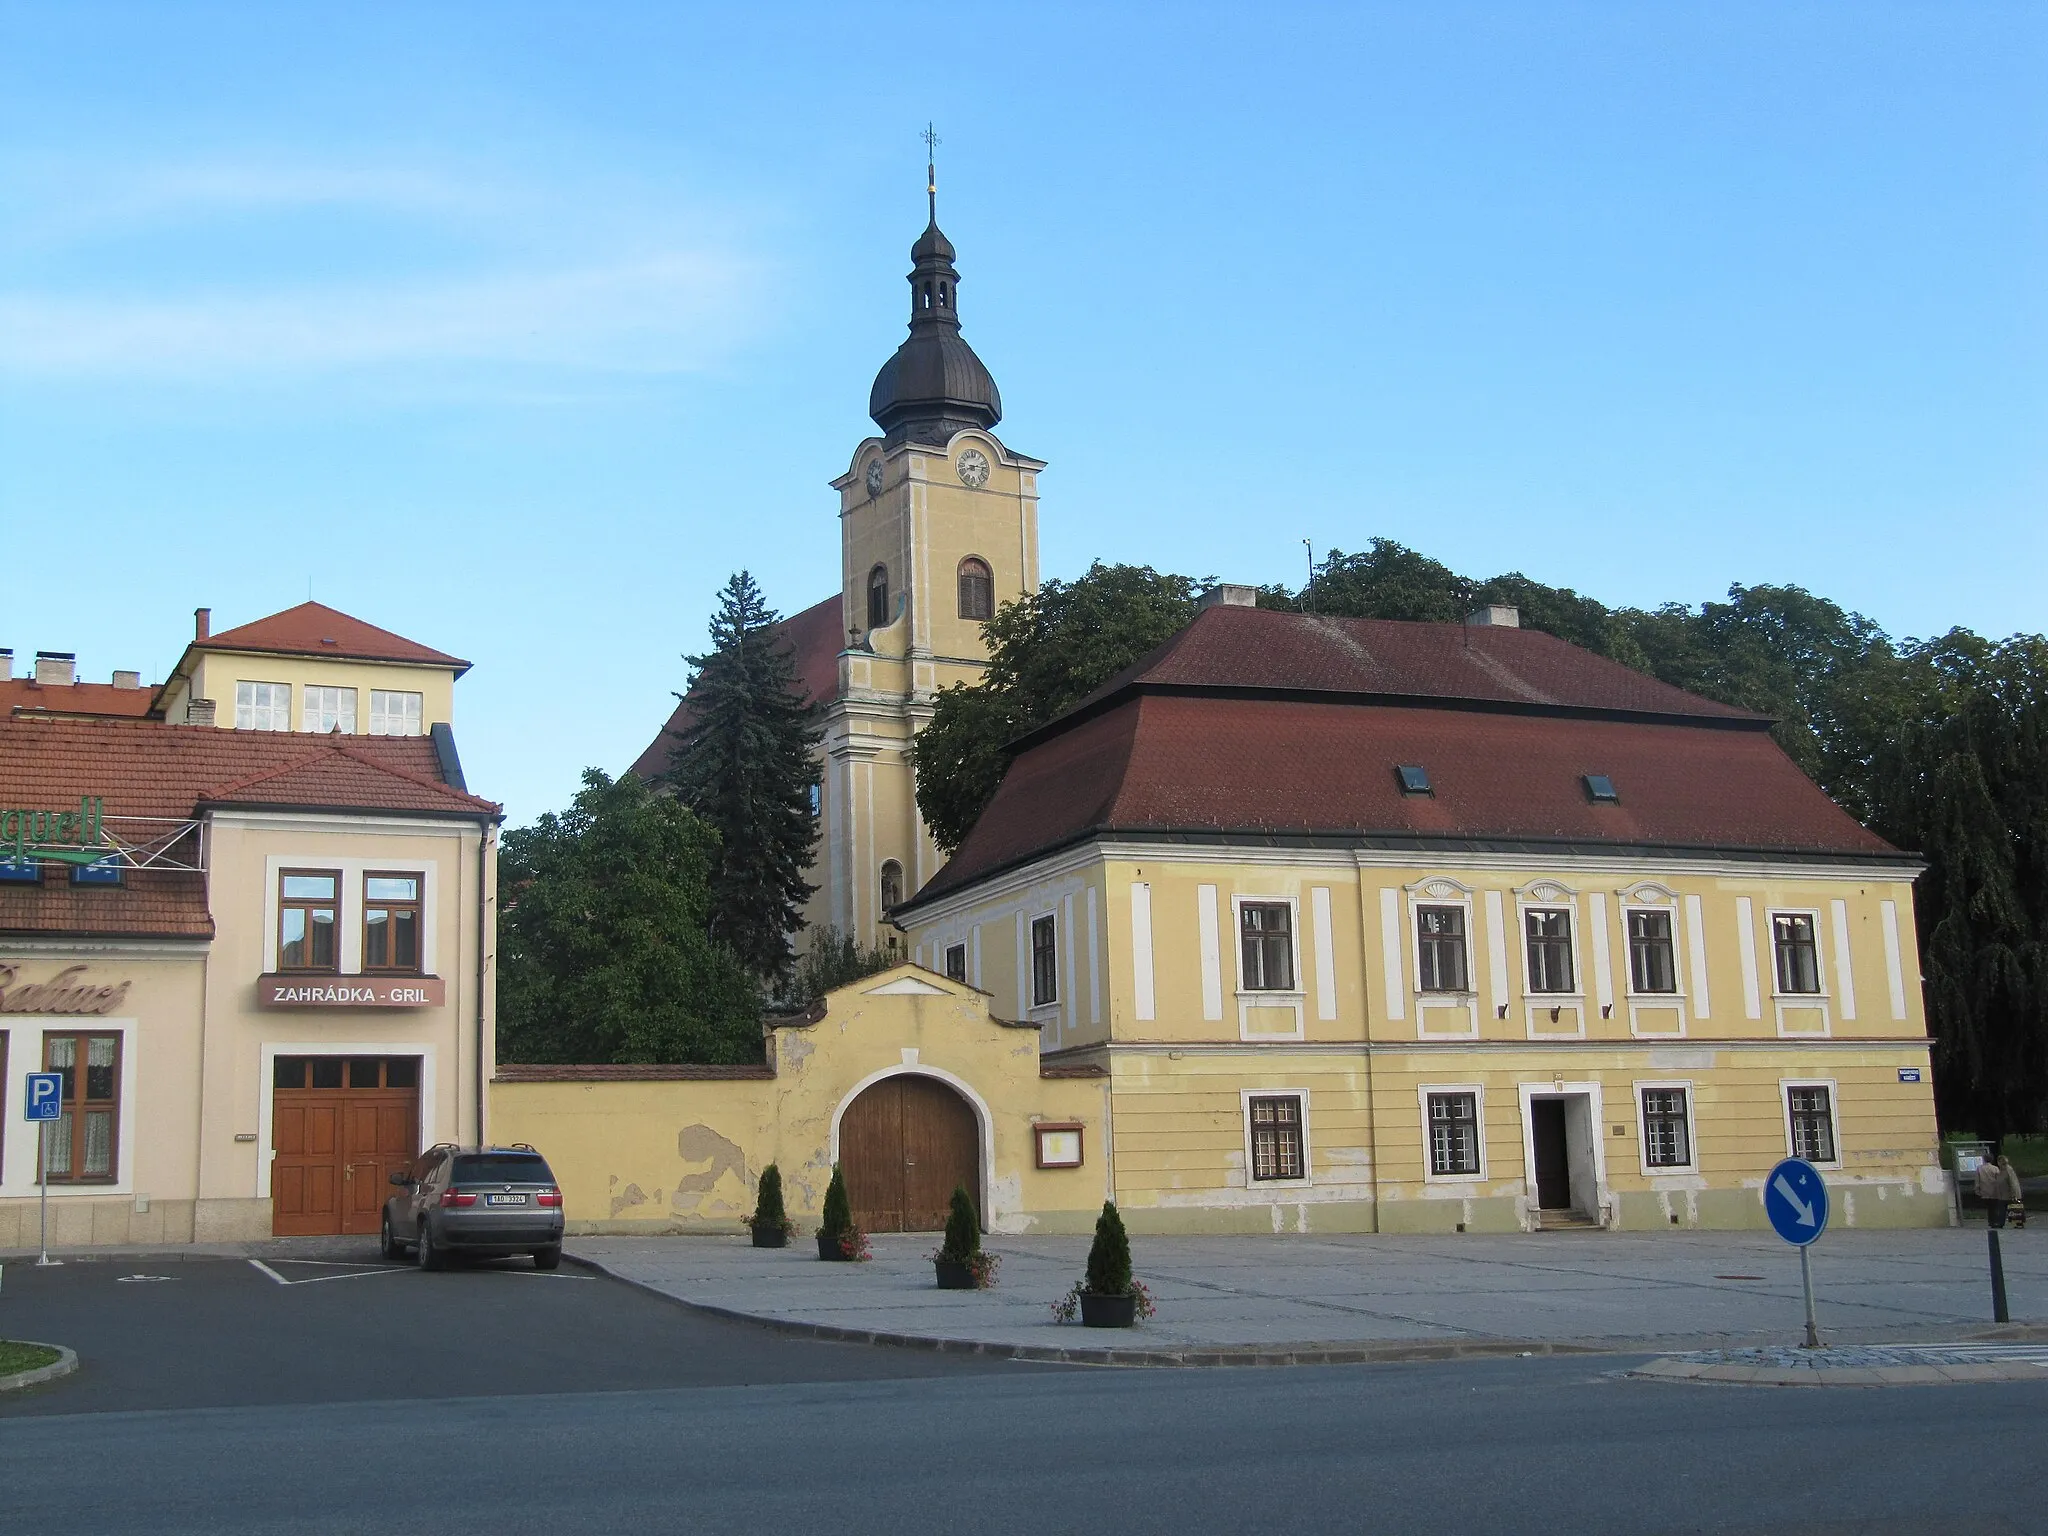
x: 502, y: 1168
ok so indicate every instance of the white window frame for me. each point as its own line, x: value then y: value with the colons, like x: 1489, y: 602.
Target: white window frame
x: 1238, y: 902
x: 272, y: 709
x: 1443, y: 891
x: 946, y: 962
x: 1692, y: 1125
x: 385, y: 713
x: 1648, y: 896
x: 1308, y: 1160
x: 1820, y: 967
x: 23, y: 1144
x: 1550, y: 896
x: 349, y: 945
x: 1576, y: 992
x: 1050, y: 1004
x: 1785, y: 1087
x: 345, y: 720
x: 1426, y: 1091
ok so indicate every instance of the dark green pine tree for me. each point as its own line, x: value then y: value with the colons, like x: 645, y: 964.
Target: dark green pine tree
x: 745, y: 766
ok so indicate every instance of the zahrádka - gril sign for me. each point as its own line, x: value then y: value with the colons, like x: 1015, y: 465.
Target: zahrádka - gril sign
x: 62, y: 993
x: 350, y: 991
x: 68, y: 837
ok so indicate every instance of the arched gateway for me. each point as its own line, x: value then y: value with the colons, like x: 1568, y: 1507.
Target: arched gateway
x: 906, y: 1143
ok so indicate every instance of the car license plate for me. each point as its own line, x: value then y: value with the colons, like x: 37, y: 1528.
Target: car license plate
x: 504, y: 1199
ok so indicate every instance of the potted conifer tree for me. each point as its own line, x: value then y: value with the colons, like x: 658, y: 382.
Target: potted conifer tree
x: 961, y: 1262
x: 839, y: 1240
x: 770, y: 1223
x: 1110, y: 1296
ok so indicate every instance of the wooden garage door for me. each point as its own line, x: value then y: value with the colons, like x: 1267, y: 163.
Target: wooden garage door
x: 906, y: 1144
x: 340, y: 1127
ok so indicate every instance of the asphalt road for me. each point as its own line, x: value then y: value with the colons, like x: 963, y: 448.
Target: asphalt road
x: 507, y: 1401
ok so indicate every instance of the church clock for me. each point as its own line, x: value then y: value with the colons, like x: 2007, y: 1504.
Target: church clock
x: 972, y: 468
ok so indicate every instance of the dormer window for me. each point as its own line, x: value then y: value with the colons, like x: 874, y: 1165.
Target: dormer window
x: 1601, y: 791
x: 878, y: 597
x: 1414, y: 779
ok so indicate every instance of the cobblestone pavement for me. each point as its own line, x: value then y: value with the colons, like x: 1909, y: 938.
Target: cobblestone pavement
x: 1862, y: 1365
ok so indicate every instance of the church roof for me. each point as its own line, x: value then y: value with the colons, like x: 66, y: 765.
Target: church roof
x: 933, y: 385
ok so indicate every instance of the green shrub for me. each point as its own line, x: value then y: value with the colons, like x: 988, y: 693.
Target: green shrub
x: 963, y: 1230
x: 768, y: 1210
x: 1109, y: 1259
x: 837, y: 1219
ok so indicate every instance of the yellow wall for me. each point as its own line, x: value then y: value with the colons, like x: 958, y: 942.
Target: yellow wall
x: 215, y: 674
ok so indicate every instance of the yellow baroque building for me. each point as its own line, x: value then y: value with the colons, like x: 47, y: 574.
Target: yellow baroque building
x: 1426, y: 928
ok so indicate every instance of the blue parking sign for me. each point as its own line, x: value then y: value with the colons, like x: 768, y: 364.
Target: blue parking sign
x: 45, y: 1096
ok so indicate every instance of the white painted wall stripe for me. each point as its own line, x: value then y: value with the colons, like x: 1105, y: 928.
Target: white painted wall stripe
x: 1068, y: 1002
x: 977, y: 955
x: 1696, y: 951
x: 1496, y: 950
x: 1894, y: 971
x: 1603, y: 978
x: 1023, y: 968
x: 1390, y: 954
x: 1745, y: 940
x: 1845, y: 975
x: 1212, y: 954
x: 1326, y: 953
x: 1094, y: 961
x: 1141, y: 948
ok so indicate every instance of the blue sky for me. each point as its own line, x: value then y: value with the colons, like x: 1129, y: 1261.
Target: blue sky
x: 516, y: 328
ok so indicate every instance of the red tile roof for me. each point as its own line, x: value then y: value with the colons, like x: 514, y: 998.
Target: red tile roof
x: 815, y: 637
x: 314, y: 629
x: 153, y: 776
x: 1264, y: 752
x: 24, y: 694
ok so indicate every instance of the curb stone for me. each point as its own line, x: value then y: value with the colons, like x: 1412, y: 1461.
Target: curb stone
x: 65, y: 1363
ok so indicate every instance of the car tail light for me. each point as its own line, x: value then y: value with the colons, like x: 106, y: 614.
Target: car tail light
x: 549, y: 1197
x: 458, y: 1197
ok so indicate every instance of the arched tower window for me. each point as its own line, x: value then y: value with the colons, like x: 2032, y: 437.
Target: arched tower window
x: 878, y: 597
x: 892, y: 885
x: 977, y: 589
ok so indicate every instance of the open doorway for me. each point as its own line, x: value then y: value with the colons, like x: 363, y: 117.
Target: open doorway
x: 1563, y: 1149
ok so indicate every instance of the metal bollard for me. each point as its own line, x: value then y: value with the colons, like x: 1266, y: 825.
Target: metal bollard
x: 1999, y: 1314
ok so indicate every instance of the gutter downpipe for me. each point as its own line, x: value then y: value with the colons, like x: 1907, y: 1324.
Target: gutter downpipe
x: 483, y: 844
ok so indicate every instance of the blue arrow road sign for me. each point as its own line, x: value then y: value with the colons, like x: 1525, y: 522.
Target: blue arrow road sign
x: 1796, y: 1200
x: 45, y: 1096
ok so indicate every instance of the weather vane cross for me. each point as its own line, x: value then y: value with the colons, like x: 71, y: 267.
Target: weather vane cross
x: 932, y: 141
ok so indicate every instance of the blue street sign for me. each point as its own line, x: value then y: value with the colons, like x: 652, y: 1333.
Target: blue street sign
x: 1796, y: 1200
x: 45, y: 1096
x: 1909, y: 1074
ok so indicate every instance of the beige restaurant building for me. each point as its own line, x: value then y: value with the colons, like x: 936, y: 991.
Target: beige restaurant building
x: 259, y: 956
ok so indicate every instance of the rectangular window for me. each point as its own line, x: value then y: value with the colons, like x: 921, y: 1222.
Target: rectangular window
x: 1652, y: 966
x: 1453, y: 1133
x: 1268, y: 932
x: 308, y: 914
x: 1277, y: 1151
x: 1549, y: 932
x: 1667, y: 1138
x: 394, y: 714
x: 263, y: 706
x: 1813, y: 1124
x: 81, y: 1143
x: 956, y: 962
x: 328, y: 709
x: 1440, y: 948
x: 1045, y: 962
x: 1798, y: 958
x: 391, y: 923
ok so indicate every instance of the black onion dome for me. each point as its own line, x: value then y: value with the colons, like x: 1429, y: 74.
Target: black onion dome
x: 934, y: 385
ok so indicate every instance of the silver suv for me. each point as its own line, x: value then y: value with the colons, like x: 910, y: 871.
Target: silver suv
x: 486, y: 1201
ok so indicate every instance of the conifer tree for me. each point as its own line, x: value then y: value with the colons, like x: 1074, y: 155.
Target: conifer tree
x: 836, y: 1220
x: 1109, y: 1256
x: 744, y: 765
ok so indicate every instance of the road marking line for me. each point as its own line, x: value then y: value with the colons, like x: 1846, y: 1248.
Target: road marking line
x: 266, y: 1269
x: 388, y: 1269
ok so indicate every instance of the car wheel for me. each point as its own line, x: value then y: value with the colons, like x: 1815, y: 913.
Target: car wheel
x: 548, y: 1258
x: 429, y: 1255
x: 388, y: 1240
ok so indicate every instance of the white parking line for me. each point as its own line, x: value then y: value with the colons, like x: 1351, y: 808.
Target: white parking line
x: 391, y: 1269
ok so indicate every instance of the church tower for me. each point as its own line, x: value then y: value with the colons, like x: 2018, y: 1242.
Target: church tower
x: 938, y: 524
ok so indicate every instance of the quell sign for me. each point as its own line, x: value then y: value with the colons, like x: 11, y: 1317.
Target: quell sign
x: 68, y: 837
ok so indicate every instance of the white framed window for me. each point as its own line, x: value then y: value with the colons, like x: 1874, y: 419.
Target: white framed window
x: 1652, y: 935
x: 394, y: 713
x: 1269, y: 947
x: 263, y: 706
x: 1549, y: 962
x: 1795, y: 953
x: 1810, y: 1128
x: 1443, y: 958
x: 1665, y: 1118
x: 326, y: 709
x: 1276, y: 1137
x: 1453, y: 1131
x: 1045, y: 961
x: 956, y: 962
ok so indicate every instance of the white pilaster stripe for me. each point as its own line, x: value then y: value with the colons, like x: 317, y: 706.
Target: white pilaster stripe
x: 1894, y: 971
x: 1745, y: 939
x: 1023, y: 968
x: 1212, y: 953
x: 1496, y: 950
x: 1326, y: 953
x: 1141, y: 948
x: 1603, y: 980
x: 1068, y: 1002
x: 1390, y: 953
x: 1845, y: 976
x: 1696, y: 951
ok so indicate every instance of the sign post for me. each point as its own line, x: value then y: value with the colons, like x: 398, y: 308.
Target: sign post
x: 1796, y: 1201
x: 43, y: 1107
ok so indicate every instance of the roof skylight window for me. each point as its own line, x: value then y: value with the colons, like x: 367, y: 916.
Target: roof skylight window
x: 1600, y: 789
x: 1414, y: 779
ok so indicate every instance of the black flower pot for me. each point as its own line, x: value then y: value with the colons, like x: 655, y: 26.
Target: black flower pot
x: 953, y: 1276
x: 770, y: 1235
x: 1108, y: 1311
x: 829, y: 1249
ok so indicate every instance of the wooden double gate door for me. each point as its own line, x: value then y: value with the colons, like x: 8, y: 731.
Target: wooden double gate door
x: 340, y: 1127
x: 905, y: 1145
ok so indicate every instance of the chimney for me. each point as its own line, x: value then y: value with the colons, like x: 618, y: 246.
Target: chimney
x: 1496, y: 616
x: 56, y: 669
x: 6, y: 664
x: 199, y: 711
x: 202, y: 623
x: 127, y: 679
x: 1228, y: 595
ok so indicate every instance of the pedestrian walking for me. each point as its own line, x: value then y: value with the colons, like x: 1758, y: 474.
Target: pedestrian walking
x: 1991, y: 1191
x: 2015, y: 1193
